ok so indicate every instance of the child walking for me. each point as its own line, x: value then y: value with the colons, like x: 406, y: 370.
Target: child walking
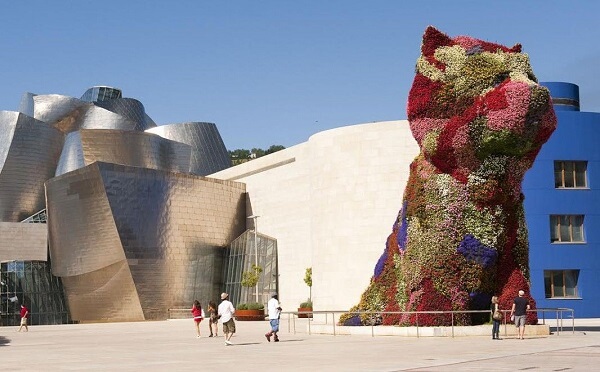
x: 214, y: 319
x: 198, y: 315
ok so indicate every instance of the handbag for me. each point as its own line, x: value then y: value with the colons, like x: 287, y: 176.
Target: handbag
x: 497, y: 315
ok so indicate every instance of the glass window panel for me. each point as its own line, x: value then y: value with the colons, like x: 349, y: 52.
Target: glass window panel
x: 548, y: 284
x: 565, y: 234
x: 557, y: 279
x: 569, y: 174
x: 558, y: 183
x: 558, y: 174
x: 577, y: 228
x: 571, y: 277
x: 580, y: 174
x: 554, y: 237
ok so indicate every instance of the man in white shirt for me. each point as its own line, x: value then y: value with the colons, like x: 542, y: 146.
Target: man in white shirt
x: 225, y: 312
x: 274, y: 313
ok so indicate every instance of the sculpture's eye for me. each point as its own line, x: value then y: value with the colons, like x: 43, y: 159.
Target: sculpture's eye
x: 499, y: 79
x: 531, y: 77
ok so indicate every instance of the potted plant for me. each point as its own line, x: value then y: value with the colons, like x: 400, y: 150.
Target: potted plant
x: 250, y: 310
x: 305, y: 309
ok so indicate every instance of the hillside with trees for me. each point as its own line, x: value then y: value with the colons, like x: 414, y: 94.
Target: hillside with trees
x: 240, y: 156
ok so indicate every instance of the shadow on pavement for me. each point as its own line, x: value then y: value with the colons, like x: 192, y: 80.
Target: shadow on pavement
x: 577, y: 329
x: 246, y: 343
x: 4, y: 341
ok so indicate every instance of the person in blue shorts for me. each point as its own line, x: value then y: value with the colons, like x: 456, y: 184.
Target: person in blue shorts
x: 274, y: 311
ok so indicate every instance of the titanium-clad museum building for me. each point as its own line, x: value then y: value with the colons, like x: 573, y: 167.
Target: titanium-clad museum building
x: 119, y: 206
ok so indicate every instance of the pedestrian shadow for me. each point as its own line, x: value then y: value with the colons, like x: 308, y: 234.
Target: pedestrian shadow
x: 246, y: 343
x: 289, y: 340
x: 4, y: 341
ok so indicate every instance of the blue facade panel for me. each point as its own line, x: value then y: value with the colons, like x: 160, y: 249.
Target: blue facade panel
x: 575, y: 139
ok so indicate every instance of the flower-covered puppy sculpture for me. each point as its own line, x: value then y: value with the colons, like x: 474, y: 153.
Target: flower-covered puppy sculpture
x: 480, y: 118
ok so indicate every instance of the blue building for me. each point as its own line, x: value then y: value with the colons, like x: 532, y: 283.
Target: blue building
x: 562, y: 205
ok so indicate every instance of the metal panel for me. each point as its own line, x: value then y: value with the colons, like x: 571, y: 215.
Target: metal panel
x: 137, y: 149
x: 131, y: 109
x: 209, y: 154
x: 29, y: 151
x: 81, y: 230
x: 23, y: 242
x: 172, y: 229
x: 26, y: 104
x: 71, y: 157
x: 108, y: 294
x: 69, y: 114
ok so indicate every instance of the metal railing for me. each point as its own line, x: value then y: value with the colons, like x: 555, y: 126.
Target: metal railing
x: 558, y: 312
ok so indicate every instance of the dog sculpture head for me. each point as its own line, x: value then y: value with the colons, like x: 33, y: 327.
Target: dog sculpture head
x: 474, y: 103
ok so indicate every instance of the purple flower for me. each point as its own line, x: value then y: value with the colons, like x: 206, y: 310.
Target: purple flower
x: 380, y: 264
x: 480, y: 301
x: 403, y: 230
x: 473, y: 250
x: 353, y: 321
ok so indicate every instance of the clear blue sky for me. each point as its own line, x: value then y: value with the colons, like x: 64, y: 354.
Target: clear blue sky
x: 275, y: 71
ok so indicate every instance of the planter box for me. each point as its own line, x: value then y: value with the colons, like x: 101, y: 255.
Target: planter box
x: 244, y: 315
x: 307, y: 312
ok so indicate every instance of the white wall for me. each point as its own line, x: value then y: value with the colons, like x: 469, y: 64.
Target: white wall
x: 330, y: 203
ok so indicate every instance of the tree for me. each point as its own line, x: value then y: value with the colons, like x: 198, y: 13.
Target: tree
x: 239, y: 156
x: 250, y: 279
x: 308, y: 281
x: 257, y: 152
x: 274, y: 148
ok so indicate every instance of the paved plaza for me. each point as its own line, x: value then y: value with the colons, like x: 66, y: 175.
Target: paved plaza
x: 172, y: 346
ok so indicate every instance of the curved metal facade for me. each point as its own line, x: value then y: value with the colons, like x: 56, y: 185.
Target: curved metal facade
x: 71, y: 157
x: 69, y: 114
x: 131, y: 232
x: 137, y: 149
x: 29, y: 151
x: 130, y: 109
x: 130, y: 243
x: 209, y: 154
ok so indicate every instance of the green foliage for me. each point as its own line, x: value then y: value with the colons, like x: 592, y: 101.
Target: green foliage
x: 308, y: 276
x: 307, y: 303
x: 274, y: 148
x: 250, y: 278
x: 239, y: 156
x: 250, y: 306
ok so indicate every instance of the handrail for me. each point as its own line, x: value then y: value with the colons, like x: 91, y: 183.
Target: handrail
x: 293, y: 315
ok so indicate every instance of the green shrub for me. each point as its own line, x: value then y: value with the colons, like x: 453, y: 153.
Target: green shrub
x: 307, y: 303
x: 250, y: 306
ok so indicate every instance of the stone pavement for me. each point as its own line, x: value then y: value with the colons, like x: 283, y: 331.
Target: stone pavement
x: 172, y: 346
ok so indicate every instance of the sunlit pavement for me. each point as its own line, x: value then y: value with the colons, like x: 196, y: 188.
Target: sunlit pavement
x: 173, y: 346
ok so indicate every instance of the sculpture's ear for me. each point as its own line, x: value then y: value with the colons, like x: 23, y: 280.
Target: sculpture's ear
x: 433, y: 39
x: 516, y: 48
